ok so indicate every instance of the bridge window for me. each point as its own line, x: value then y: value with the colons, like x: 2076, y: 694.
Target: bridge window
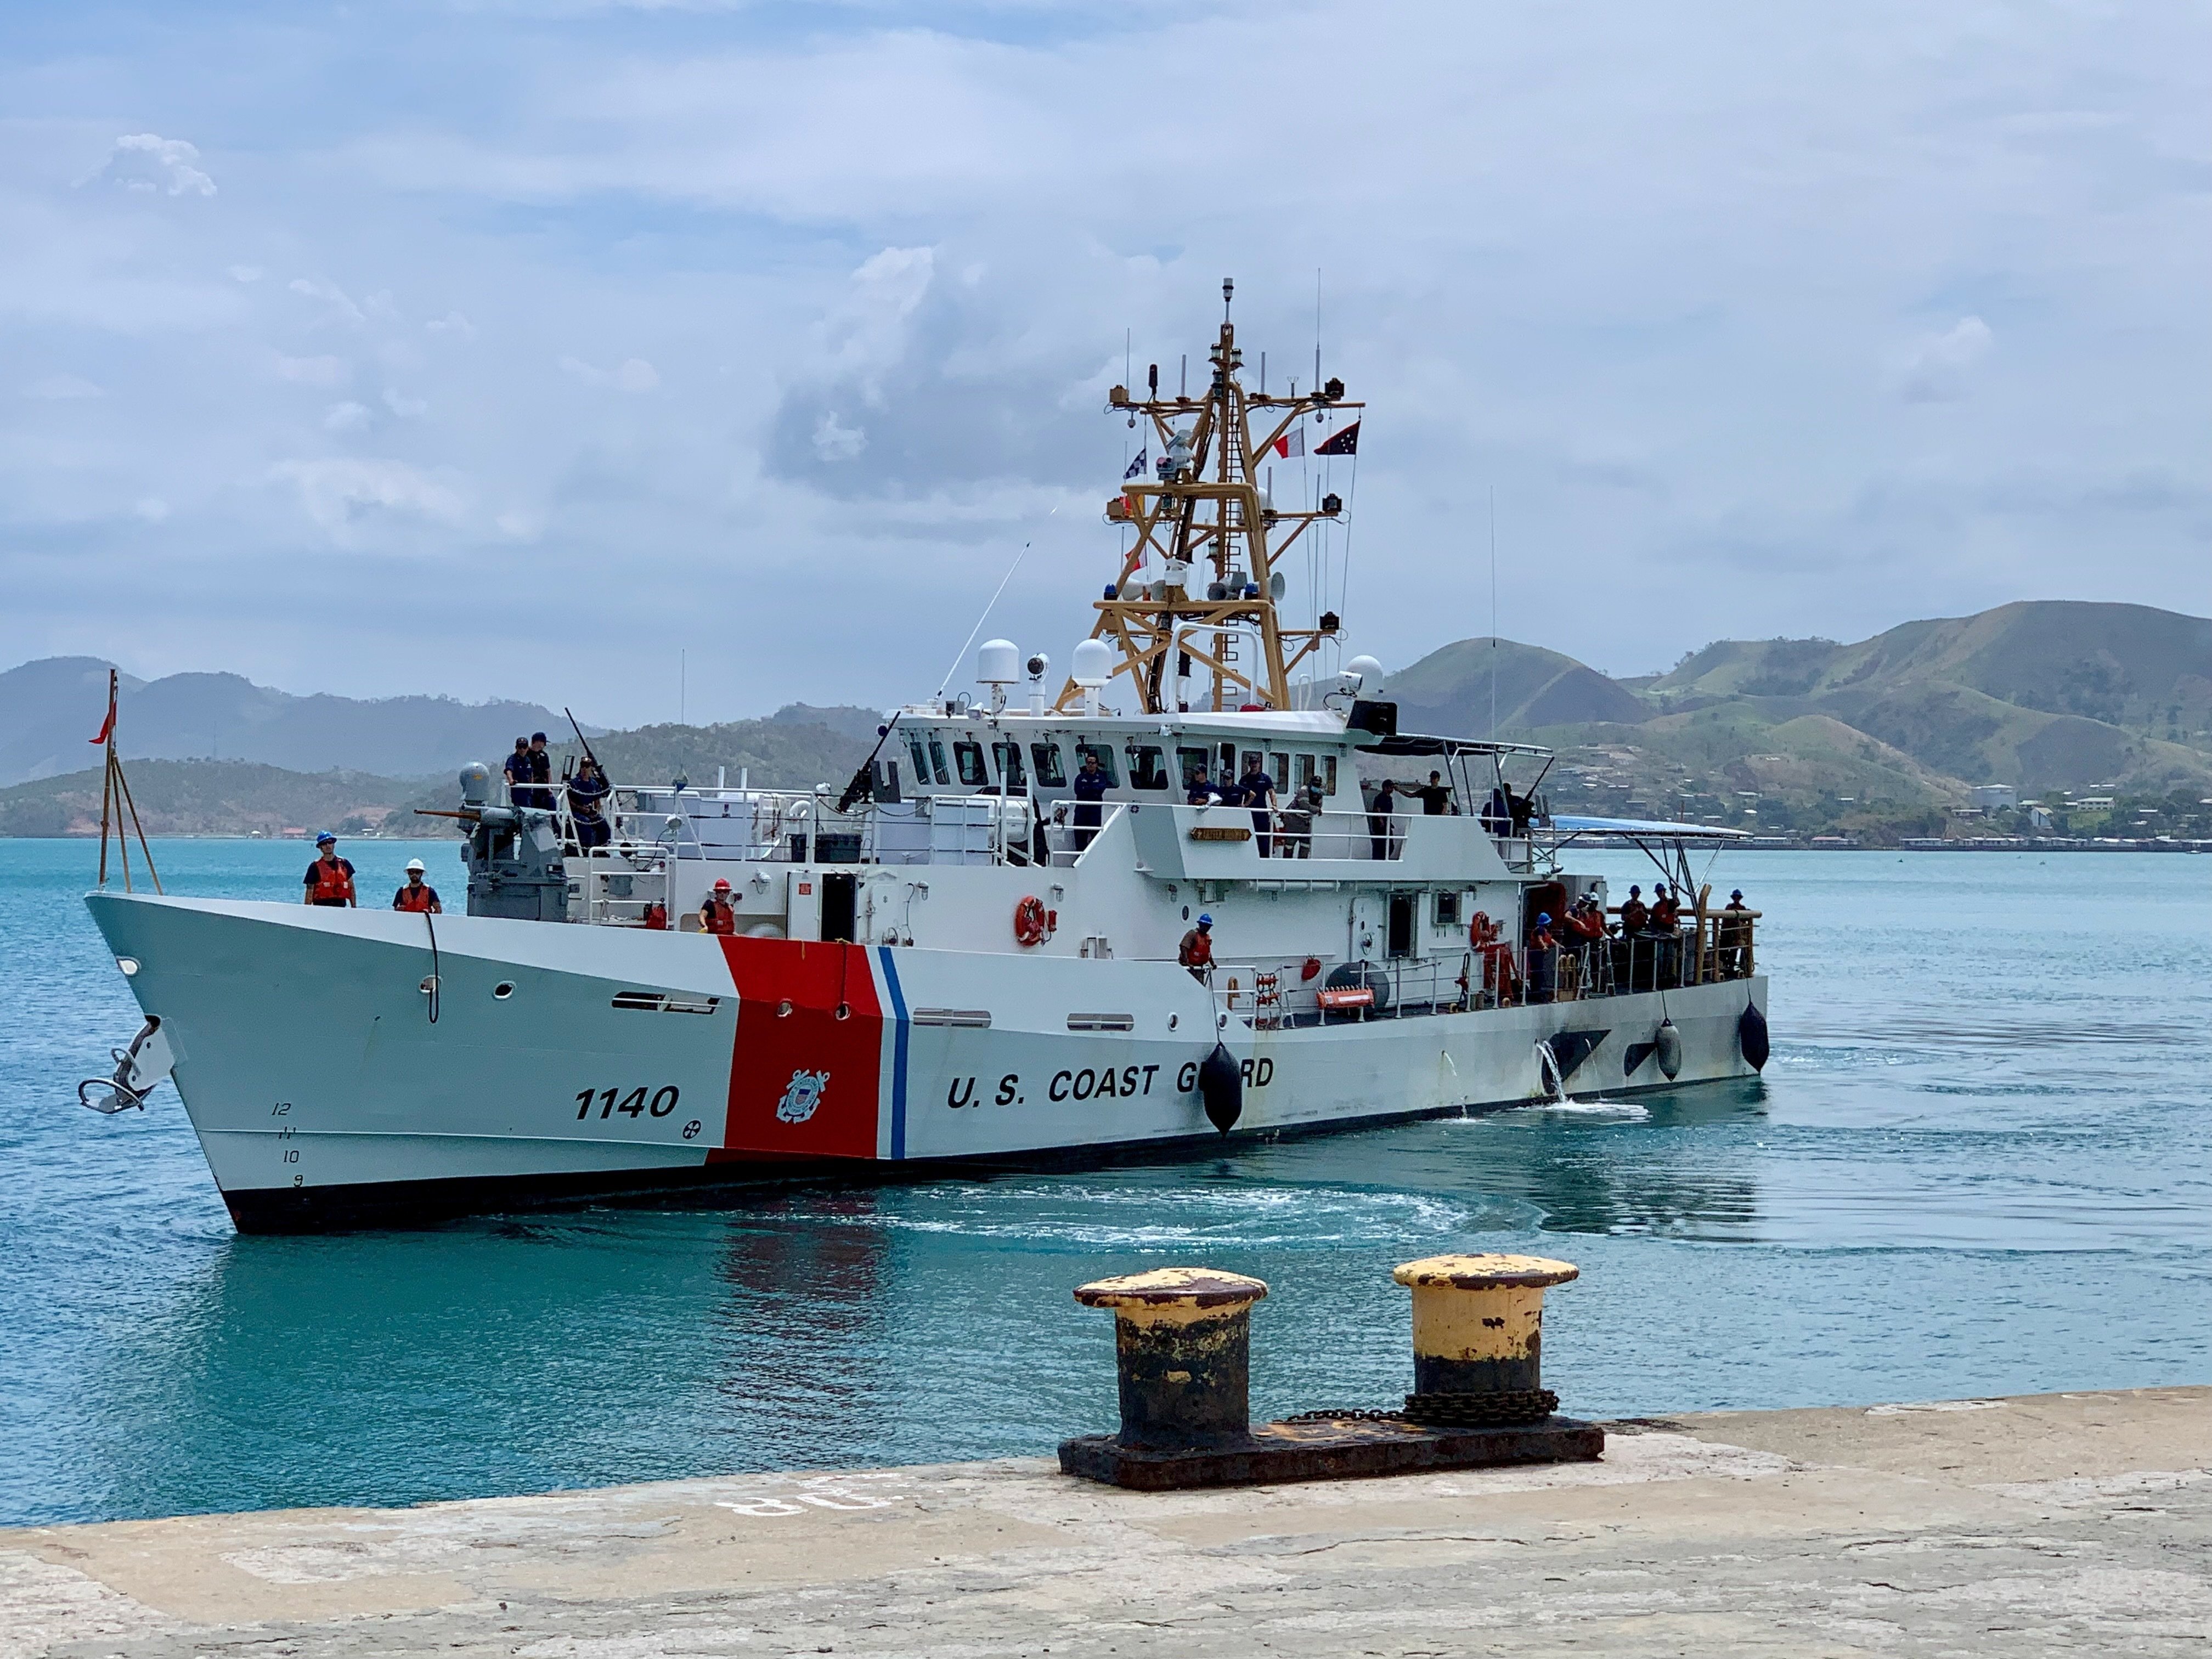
x: 1050, y: 774
x: 968, y: 755
x: 1446, y: 909
x: 1084, y: 750
x: 920, y: 758
x: 1148, y: 768
x: 1191, y: 763
x: 1278, y: 769
x: 936, y: 760
x: 1009, y: 756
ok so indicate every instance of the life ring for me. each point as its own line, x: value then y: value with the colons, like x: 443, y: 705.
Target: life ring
x: 1028, y: 921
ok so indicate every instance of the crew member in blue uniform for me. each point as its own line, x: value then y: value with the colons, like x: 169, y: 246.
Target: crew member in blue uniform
x: 1090, y: 787
x: 1258, y: 790
x: 587, y: 792
x: 517, y: 774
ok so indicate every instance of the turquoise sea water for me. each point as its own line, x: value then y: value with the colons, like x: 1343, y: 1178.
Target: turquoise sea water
x: 1980, y: 1161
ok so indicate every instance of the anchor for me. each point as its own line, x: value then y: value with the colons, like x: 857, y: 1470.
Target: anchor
x: 139, y: 1069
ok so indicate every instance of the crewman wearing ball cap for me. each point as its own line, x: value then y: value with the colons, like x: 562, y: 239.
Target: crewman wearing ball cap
x: 329, y: 880
x: 418, y: 896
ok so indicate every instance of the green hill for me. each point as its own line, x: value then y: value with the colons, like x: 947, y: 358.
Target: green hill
x: 2048, y: 697
x: 242, y: 798
x: 210, y: 797
x: 1448, y: 692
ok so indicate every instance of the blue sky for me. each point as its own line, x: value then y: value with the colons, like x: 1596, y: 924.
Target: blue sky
x: 528, y: 349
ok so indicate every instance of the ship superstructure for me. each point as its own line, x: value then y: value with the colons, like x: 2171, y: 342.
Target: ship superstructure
x: 963, y: 953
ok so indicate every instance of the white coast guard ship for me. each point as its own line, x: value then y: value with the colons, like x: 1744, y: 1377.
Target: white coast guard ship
x: 953, y: 961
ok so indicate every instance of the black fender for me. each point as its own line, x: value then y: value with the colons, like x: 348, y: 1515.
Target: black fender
x: 1751, y: 1036
x: 1221, y: 1086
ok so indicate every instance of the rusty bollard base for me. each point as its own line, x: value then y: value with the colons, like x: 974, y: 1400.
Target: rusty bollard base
x: 1182, y: 1349
x: 1328, y: 1448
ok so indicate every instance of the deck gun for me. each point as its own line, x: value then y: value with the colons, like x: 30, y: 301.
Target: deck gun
x: 863, y: 785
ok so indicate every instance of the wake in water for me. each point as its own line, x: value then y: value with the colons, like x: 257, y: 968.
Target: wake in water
x: 1563, y: 1104
x: 1620, y: 1111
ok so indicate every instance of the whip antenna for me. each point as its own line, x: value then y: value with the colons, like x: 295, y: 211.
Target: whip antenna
x: 980, y: 620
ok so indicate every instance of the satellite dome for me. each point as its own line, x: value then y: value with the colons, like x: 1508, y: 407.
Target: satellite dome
x: 1369, y: 672
x: 1092, y: 665
x: 998, y: 662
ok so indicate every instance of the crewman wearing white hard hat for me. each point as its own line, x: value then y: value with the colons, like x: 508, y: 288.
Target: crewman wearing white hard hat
x: 417, y: 895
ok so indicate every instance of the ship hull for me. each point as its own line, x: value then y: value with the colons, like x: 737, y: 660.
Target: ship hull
x: 567, y: 1064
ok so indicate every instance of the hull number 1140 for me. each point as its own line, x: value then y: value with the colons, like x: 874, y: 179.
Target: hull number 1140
x: 611, y: 1101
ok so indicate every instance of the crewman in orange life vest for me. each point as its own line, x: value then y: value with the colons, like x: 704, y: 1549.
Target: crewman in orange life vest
x: 329, y: 878
x: 715, y: 915
x: 1196, y: 950
x: 418, y: 896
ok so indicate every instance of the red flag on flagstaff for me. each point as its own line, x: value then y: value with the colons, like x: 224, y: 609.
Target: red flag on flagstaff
x: 1345, y: 442
x: 107, y: 725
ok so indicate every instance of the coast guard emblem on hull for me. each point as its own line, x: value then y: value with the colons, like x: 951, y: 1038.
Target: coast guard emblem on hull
x: 804, y: 1096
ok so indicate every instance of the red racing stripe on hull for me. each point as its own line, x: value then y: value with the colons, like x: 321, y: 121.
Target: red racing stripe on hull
x: 807, y: 1066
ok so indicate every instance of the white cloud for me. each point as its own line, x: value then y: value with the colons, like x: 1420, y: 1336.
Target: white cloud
x: 247, y: 273
x: 338, y: 493
x: 58, y: 388
x: 341, y: 308
x: 150, y: 164
x: 633, y: 375
x: 1935, y: 368
x: 348, y: 416
x: 835, y: 441
x: 406, y: 407
x: 1705, y: 253
x: 313, y: 371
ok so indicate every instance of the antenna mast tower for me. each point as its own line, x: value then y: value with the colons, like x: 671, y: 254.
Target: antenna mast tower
x: 1203, y: 511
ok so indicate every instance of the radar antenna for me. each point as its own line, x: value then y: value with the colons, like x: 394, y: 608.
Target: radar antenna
x: 1203, y: 510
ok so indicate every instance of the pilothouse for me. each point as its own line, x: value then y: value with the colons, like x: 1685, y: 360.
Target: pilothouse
x: 972, y: 951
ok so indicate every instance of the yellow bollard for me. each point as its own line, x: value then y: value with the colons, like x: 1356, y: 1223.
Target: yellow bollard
x: 1183, y: 1353
x: 1478, y: 1337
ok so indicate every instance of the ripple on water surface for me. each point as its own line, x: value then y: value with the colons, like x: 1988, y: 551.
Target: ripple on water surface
x: 1977, y: 1163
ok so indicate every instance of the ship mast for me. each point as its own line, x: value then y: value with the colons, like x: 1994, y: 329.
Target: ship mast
x: 1218, y: 540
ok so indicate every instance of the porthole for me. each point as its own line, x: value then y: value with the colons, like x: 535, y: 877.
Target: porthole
x: 1174, y: 1020
x: 783, y: 1009
x: 129, y: 966
x: 504, y: 989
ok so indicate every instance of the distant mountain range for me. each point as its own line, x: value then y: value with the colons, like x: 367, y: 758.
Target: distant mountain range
x: 49, y: 708
x: 2047, y: 697
x: 796, y: 748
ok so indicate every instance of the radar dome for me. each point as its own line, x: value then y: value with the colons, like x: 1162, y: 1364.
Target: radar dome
x: 1092, y: 665
x: 998, y: 662
x: 1369, y: 672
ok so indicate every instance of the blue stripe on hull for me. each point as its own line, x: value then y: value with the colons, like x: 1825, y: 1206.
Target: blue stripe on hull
x: 898, y: 1052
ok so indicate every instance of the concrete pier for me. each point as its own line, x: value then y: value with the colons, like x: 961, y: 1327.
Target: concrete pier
x: 2074, y: 1523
